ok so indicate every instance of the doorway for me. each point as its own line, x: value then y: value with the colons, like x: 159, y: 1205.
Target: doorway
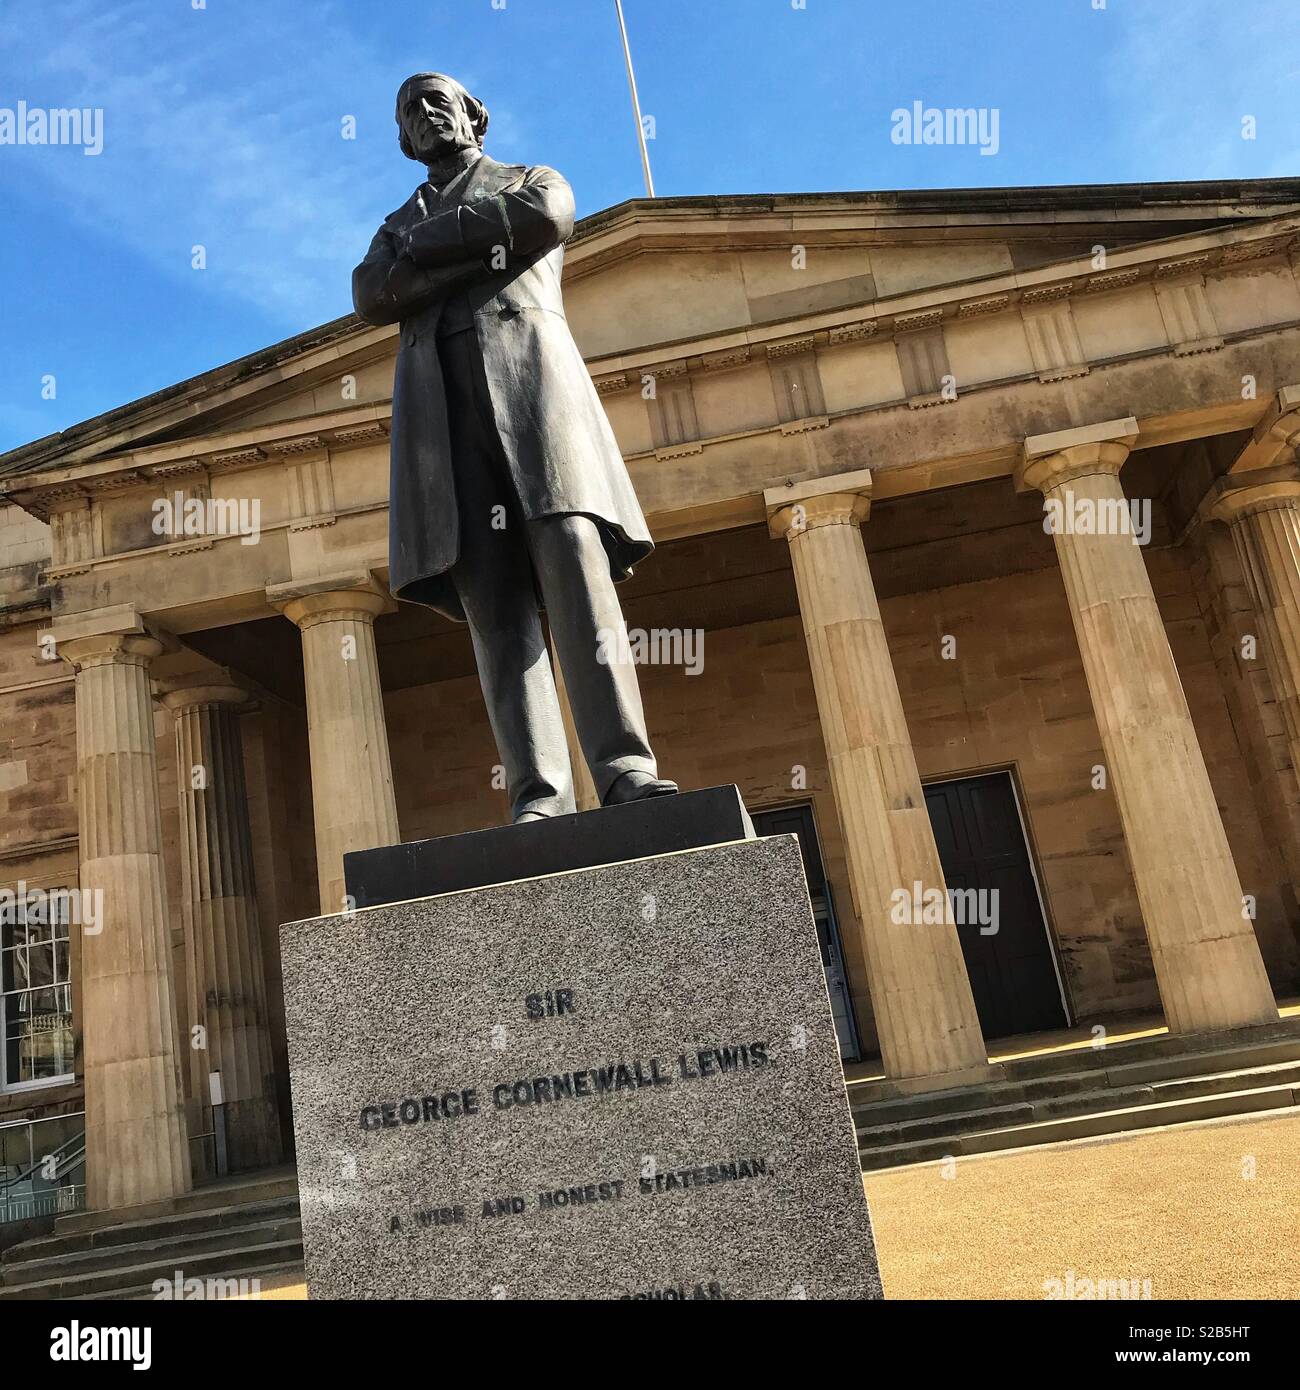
x: 1008, y: 951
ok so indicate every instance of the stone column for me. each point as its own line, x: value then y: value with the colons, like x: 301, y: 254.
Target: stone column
x: 351, y: 775
x: 925, y: 1014
x: 223, y: 943
x: 136, y: 1145
x: 1264, y: 519
x: 1206, y: 958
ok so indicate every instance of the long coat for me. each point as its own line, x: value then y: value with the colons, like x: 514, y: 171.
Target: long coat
x: 433, y: 256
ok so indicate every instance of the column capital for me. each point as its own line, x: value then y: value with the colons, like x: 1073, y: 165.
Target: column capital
x: 843, y: 499
x: 1048, y: 460
x: 331, y: 598
x: 1274, y: 440
x: 101, y: 634
x: 109, y: 649
x: 194, y: 689
x: 1251, y: 497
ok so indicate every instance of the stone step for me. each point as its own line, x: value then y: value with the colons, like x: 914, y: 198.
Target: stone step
x: 218, y: 1264
x: 1175, y: 1088
x: 1090, y: 1124
x: 929, y: 1104
x: 238, y: 1191
x: 939, y: 1126
x: 158, y: 1229
x: 1153, y: 1049
x: 177, y: 1252
x: 994, y: 1094
x: 1098, y: 1100
x: 1161, y: 1069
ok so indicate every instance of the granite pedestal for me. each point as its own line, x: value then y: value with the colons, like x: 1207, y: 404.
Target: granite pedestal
x: 619, y: 1082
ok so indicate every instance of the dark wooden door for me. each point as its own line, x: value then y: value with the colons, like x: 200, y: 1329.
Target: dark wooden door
x: 982, y: 846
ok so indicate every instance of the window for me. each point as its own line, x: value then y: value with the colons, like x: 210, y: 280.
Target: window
x: 35, y: 990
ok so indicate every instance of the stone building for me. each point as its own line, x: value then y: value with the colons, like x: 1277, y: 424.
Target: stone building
x: 979, y: 562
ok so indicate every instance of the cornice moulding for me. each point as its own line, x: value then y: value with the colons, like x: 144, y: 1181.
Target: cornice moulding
x: 1203, y: 252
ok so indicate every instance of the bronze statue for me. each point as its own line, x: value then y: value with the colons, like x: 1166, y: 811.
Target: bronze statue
x: 508, y: 492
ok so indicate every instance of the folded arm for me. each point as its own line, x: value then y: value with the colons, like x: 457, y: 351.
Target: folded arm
x: 535, y: 217
x: 388, y: 286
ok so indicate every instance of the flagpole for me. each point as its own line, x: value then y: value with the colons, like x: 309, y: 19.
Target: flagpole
x: 636, y: 105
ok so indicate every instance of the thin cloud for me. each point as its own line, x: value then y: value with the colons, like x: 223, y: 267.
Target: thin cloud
x: 269, y: 188
x: 1190, y: 73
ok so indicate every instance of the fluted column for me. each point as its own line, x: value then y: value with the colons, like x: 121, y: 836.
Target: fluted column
x: 223, y: 945
x: 925, y: 1014
x: 1203, y: 947
x: 1264, y: 519
x: 136, y: 1148
x: 351, y: 775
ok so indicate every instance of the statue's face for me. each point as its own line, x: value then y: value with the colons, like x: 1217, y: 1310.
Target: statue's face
x: 435, y: 122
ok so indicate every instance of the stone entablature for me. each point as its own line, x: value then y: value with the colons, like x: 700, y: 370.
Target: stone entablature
x: 935, y: 306
x: 1158, y: 267
x: 1027, y: 328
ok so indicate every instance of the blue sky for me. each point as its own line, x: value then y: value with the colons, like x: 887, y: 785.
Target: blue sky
x: 223, y: 127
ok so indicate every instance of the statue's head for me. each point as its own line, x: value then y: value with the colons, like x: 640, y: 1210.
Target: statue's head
x: 437, y: 116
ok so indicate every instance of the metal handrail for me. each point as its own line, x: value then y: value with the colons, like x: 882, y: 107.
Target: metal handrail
x: 42, y: 1120
x: 53, y: 1201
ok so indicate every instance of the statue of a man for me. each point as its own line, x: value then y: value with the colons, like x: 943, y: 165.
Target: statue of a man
x: 508, y: 492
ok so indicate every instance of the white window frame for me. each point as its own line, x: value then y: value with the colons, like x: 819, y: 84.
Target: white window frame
x: 41, y: 1083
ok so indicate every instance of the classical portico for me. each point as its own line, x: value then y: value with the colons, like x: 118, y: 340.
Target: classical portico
x: 847, y: 460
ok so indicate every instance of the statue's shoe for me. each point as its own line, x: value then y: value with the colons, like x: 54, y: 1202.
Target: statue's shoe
x: 638, y: 786
x: 529, y: 815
